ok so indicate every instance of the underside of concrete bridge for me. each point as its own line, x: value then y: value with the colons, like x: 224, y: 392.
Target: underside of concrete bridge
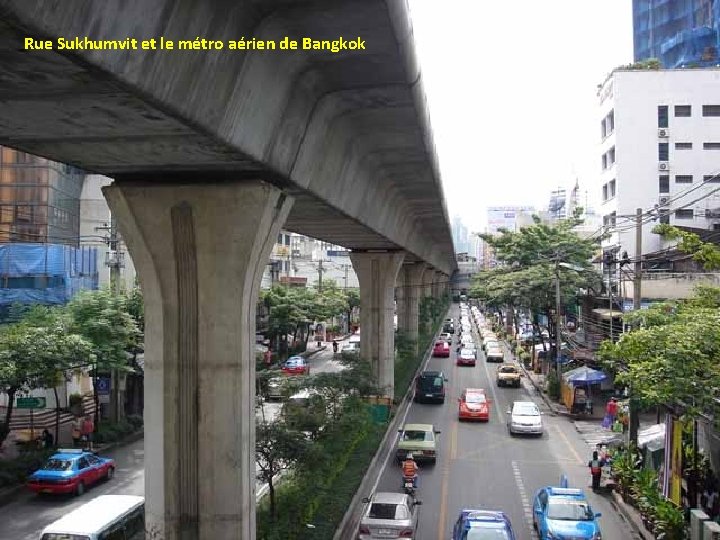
x: 212, y: 152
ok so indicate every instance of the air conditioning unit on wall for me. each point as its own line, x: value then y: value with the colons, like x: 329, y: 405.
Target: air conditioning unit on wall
x: 663, y: 201
x: 663, y: 166
x: 663, y: 133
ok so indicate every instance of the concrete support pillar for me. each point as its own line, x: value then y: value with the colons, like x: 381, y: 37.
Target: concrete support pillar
x: 400, y: 303
x: 438, y: 285
x: 200, y: 250
x: 428, y: 278
x: 410, y: 280
x: 377, y: 273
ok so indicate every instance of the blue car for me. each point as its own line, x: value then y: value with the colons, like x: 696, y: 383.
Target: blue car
x: 71, y: 471
x: 482, y: 525
x: 564, y: 513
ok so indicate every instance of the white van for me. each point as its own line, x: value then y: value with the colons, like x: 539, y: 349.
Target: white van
x: 107, y: 517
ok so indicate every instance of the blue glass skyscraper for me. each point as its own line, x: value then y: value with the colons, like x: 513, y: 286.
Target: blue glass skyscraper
x: 679, y: 33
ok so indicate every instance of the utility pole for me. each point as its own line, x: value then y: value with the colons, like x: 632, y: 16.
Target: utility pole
x: 115, y: 263
x: 558, y: 339
x: 634, y: 420
x: 320, y: 272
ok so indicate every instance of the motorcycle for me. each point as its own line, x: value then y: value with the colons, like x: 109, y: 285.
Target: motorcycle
x: 409, y: 486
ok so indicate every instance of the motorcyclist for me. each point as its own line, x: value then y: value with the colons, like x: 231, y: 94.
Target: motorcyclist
x: 409, y: 469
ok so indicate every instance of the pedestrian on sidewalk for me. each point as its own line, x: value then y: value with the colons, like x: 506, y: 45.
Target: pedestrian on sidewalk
x: 596, y: 464
x: 611, y: 409
x: 87, y: 429
x: 47, y: 439
x: 75, y: 431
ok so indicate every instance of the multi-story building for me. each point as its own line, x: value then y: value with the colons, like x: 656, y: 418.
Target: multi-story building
x: 677, y: 32
x: 502, y: 217
x: 558, y: 205
x: 461, y: 235
x: 303, y: 261
x: 660, y: 150
x: 42, y: 257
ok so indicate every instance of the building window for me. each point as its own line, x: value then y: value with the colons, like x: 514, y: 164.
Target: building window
x: 604, y: 162
x: 711, y: 146
x: 663, y: 151
x: 603, y: 128
x: 683, y: 146
x: 665, y: 218
x: 611, y: 156
x: 712, y: 178
x: 664, y: 183
x: 613, y: 219
x: 611, y: 122
x: 683, y: 110
x: 711, y: 110
x: 611, y: 188
x: 684, y: 213
x: 605, y: 192
x: 683, y: 178
x: 662, y: 116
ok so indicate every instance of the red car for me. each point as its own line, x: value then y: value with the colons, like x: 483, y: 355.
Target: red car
x: 296, y: 365
x: 474, y: 405
x: 442, y: 349
x: 71, y: 471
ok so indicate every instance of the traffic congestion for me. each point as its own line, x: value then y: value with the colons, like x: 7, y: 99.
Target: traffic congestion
x: 491, y: 462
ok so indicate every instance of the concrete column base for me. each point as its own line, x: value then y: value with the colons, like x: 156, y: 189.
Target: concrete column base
x: 377, y: 273
x: 411, y: 281
x: 200, y: 250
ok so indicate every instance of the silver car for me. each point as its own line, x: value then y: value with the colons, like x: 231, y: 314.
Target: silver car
x: 389, y: 516
x: 524, y: 417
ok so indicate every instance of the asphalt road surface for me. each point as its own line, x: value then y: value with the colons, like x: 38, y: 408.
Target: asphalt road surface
x: 29, y: 514
x: 481, y: 466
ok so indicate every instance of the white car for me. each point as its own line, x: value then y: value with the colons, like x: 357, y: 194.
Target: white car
x: 524, y: 417
x: 494, y: 354
x: 446, y: 336
x: 389, y: 516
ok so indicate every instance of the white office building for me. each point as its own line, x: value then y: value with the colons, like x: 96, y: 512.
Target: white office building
x: 660, y: 149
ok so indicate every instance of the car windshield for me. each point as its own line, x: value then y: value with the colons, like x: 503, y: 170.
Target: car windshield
x: 507, y: 369
x: 475, y: 398
x: 569, y: 510
x: 526, y: 410
x: 54, y: 464
x: 387, y: 511
x: 487, y: 534
x: 417, y: 436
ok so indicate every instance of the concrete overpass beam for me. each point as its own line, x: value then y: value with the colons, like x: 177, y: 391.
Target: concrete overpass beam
x: 377, y: 273
x: 200, y: 250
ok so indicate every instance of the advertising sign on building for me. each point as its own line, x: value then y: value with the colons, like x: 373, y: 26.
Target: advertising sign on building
x: 504, y: 217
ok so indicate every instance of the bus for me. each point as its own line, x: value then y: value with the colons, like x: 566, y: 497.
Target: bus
x: 107, y: 517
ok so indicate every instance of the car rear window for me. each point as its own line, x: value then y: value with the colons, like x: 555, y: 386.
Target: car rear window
x: 417, y: 436
x: 64, y: 536
x: 386, y: 511
x: 54, y: 464
x: 507, y: 369
x: 431, y: 382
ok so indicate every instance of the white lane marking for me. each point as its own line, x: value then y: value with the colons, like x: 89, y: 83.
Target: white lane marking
x: 527, y: 508
x: 402, y: 423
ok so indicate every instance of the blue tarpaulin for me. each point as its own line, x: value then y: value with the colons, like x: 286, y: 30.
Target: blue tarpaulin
x: 45, y: 273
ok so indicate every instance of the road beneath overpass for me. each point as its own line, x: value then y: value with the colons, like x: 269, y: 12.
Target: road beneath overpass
x: 481, y: 465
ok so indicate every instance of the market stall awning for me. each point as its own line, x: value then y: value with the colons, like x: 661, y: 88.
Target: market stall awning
x: 606, y: 313
x: 584, y: 375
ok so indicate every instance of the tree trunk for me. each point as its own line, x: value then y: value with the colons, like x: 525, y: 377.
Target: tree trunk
x: 57, y: 416
x: 96, y: 399
x: 8, y: 413
x: 271, y: 494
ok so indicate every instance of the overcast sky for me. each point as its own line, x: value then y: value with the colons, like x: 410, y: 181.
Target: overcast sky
x: 512, y: 94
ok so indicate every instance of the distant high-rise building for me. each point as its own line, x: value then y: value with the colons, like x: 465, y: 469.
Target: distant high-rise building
x: 505, y: 217
x: 461, y: 236
x: 677, y: 32
x: 558, y: 205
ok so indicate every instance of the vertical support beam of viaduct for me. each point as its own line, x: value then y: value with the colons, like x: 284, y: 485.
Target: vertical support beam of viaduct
x: 377, y: 273
x: 408, y: 293
x: 200, y: 250
x: 438, y: 285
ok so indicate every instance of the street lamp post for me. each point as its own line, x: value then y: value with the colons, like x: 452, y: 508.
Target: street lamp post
x: 558, y: 339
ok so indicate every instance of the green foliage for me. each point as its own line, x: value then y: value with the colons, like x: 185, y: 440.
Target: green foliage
x: 643, y: 65
x: 114, y: 432
x: 553, y: 385
x: 102, y: 318
x: 672, y: 356
x: 706, y: 253
x: 530, y: 257
x: 15, y: 471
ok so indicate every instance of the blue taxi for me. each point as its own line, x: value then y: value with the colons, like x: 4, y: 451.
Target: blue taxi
x: 561, y: 513
x: 482, y: 525
x: 71, y: 471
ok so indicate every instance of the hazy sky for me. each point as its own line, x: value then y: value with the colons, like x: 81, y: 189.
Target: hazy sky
x: 512, y: 94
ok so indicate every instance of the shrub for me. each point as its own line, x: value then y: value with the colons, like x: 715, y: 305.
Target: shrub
x: 113, y: 432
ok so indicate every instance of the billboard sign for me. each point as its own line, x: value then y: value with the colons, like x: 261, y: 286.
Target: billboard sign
x: 504, y: 217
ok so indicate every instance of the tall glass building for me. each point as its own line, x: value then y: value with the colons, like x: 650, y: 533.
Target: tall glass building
x: 679, y: 33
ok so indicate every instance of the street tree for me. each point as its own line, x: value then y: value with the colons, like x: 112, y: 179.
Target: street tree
x: 102, y: 318
x: 670, y: 357
x: 353, y: 301
x: 277, y: 448
x: 706, y: 253
x: 532, y: 259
